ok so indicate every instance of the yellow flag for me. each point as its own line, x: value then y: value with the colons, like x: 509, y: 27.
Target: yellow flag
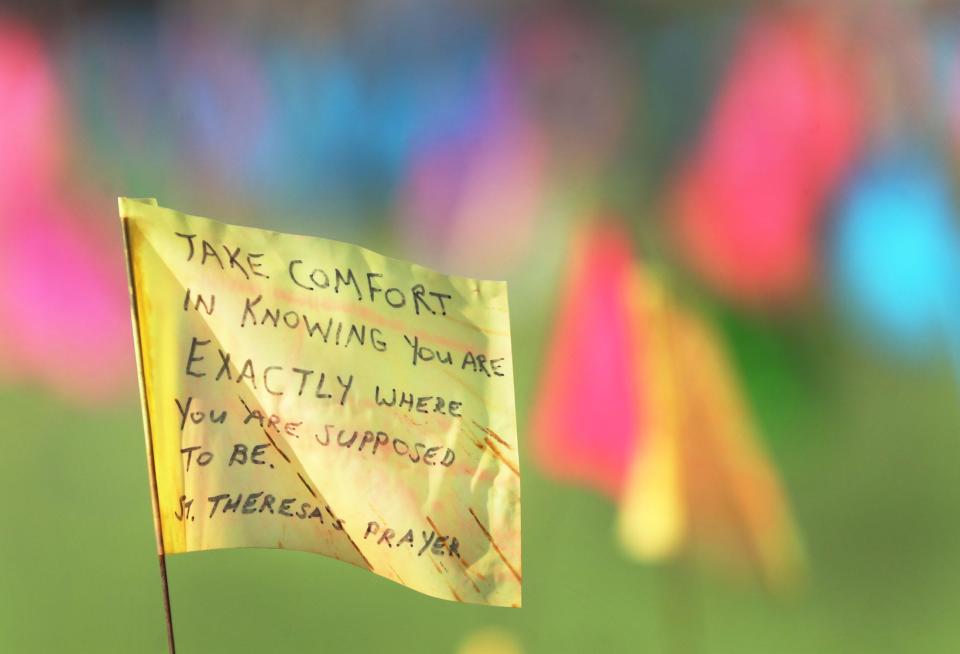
x: 301, y: 393
x: 652, y: 523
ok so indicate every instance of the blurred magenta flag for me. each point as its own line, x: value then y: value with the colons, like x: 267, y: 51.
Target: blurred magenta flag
x: 62, y: 302
x: 62, y: 289
x: 781, y: 134
x: 587, y: 414
x: 31, y: 111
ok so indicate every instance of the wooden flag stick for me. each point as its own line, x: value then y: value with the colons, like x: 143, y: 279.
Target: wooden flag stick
x: 148, y: 432
x: 171, y: 643
x: 158, y: 530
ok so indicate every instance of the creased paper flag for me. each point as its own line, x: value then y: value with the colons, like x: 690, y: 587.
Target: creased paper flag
x: 306, y: 394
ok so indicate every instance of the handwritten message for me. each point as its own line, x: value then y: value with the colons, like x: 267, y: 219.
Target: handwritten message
x: 307, y: 394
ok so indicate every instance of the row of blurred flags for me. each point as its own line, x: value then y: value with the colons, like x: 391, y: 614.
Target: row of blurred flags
x: 640, y: 401
x: 822, y: 157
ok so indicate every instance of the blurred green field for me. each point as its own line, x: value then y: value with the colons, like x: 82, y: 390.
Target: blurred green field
x: 868, y: 451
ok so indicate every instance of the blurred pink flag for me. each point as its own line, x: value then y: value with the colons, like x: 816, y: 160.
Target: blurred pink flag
x: 781, y: 134
x: 588, y: 412
x: 62, y: 290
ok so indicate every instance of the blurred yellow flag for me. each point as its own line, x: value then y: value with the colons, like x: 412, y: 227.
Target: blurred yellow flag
x: 306, y: 394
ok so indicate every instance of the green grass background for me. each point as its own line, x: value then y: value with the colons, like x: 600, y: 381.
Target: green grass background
x: 868, y: 450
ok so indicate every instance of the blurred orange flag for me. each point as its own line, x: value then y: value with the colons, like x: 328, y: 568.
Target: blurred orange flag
x: 700, y: 478
x: 301, y: 393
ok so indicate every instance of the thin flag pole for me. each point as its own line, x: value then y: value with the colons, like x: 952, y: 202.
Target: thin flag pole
x: 148, y: 432
x: 171, y: 643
